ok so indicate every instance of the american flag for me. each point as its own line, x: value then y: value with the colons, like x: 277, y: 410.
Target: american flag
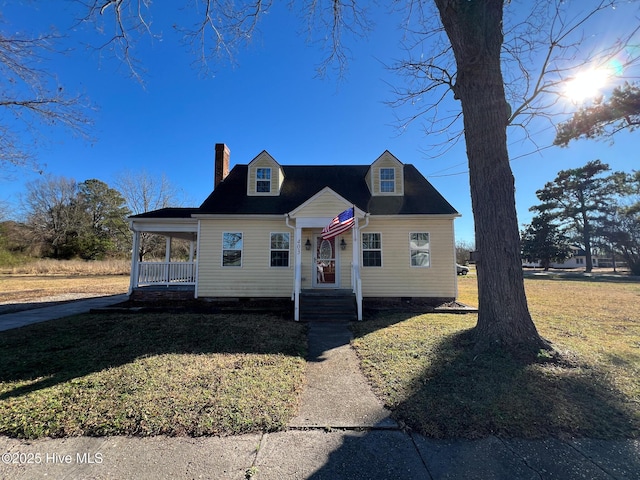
x: 339, y: 224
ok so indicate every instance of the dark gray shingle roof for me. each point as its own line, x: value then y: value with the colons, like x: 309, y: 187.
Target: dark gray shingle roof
x: 303, y: 182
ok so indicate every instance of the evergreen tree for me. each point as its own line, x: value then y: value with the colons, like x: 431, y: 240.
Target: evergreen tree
x: 104, y: 230
x: 86, y: 220
x: 581, y: 198
x: 604, y: 118
x: 543, y: 241
x: 622, y: 227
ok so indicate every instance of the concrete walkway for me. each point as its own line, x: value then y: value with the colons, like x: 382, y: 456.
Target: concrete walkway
x: 341, y: 432
x: 44, y: 314
x: 332, y: 399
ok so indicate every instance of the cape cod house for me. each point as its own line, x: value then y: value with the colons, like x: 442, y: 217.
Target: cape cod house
x: 259, y: 234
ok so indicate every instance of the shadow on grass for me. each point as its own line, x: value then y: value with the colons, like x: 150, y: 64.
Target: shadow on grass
x: 472, y: 396
x: 459, y: 394
x: 58, y: 351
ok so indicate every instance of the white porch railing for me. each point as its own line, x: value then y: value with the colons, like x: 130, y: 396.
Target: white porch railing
x: 166, y: 273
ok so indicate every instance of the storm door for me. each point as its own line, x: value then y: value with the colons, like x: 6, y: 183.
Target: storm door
x: 325, y: 263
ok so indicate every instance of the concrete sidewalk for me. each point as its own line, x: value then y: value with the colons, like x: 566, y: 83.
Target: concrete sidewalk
x: 43, y: 314
x: 318, y: 454
x: 341, y: 432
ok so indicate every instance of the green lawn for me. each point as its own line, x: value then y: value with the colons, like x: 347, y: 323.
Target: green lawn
x: 423, y: 369
x: 150, y: 374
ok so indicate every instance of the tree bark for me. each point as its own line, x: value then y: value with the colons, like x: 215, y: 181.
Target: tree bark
x: 586, y: 237
x: 475, y: 31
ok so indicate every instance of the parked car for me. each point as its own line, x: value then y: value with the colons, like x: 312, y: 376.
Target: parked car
x: 462, y: 269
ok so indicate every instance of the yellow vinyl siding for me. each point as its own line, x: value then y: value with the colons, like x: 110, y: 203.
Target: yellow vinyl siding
x: 327, y: 204
x: 256, y: 278
x: 396, y: 277
x: 308, y: 269
x: 264, y: 160
x: 346, y: 259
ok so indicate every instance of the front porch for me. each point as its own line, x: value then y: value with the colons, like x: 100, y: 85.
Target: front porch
x: 175, y: 270
x: 330, y: 264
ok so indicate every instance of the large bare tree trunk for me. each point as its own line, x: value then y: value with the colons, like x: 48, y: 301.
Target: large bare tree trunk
x: 474, y: 29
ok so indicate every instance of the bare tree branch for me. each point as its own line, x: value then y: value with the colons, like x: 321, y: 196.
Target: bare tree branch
x: 542, y: 51
x: 31, y: 97
x: 122, y: 22
x: 222, y: 27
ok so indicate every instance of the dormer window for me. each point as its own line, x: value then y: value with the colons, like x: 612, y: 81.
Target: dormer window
x: 386, y: 176
x: 387, y: 180
x: 263, y: 180
x: 264, y: 176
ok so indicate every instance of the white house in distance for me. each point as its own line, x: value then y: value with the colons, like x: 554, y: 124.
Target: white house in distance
x: 577, y: 259
x: 259, y: 235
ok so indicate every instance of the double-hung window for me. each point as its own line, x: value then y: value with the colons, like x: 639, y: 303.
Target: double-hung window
x: 232, y: 249
x: 263, y: 180
x: 419, y: 249
x: 279, y: 249
x: 371, y: 250
x: 387, y: 180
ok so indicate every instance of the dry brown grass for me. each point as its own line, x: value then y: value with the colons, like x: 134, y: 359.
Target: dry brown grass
x: 595, y: 318
x: 72, y: 267
x: 21, y: 288
x: 424, y: 371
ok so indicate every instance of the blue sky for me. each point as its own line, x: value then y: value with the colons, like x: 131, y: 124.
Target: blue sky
x: 271, y: 99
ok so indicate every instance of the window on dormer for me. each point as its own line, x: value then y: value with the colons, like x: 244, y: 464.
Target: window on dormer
x: 263, y: 180
x: 387, y: 180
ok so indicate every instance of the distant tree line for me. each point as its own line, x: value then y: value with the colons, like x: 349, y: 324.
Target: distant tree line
x: 591, y: 207
x: 64, y: 219
x: 463, y: 251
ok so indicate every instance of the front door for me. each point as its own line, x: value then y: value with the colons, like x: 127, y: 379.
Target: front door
x: 325, y: 261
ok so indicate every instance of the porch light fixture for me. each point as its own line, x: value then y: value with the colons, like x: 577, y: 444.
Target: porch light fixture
x: 343, y: 244
x: 307, y: 244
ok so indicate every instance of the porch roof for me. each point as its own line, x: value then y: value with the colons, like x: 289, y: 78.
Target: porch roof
x: 171, y: 222
x: 168, y: 213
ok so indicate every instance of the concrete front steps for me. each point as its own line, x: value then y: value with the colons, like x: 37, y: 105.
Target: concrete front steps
x: 328, y: 305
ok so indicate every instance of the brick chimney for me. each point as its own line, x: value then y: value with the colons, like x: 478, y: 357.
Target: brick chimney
x: 221, y: 165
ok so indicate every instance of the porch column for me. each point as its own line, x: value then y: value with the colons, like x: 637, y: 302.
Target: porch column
x: 355, y: 273
x: 167, y: 258
x: 192, y: 268
x: 135, y: 252
x: 297, y: 280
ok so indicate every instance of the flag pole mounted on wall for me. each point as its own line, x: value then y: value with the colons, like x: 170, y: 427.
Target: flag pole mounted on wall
x: 340, y: 224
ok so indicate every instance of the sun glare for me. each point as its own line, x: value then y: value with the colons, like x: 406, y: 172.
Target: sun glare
x: 586, y: 85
